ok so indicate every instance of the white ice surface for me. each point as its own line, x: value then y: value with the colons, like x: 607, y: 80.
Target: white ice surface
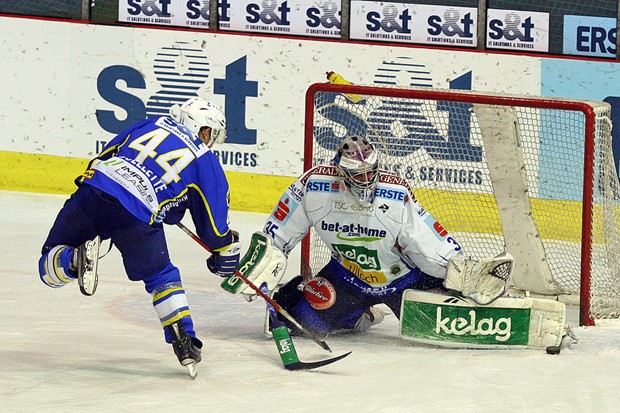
x: 63, y: 352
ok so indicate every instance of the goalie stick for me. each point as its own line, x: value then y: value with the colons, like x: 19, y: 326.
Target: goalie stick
x: 270, y: 301
x: 286, y: 348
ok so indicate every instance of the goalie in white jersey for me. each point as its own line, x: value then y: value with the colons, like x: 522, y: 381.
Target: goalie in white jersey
x: 387, y: 249
x: 382, y: 242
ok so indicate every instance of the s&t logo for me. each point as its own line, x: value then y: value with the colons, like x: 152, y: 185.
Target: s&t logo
x: 327, y: 16
x: 268, y: 12
x: 123, y: 87
x: 512, y: 28
x: 149, y: 8
x: 451, y: 25
x: 390, y: 20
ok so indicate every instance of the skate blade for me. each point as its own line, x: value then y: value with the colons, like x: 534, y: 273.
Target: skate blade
x: 193, y: 370
x: 89, y: 280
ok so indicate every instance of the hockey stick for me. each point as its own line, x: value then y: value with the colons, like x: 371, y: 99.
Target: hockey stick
x: 271, y: 302
x: 286, y: 348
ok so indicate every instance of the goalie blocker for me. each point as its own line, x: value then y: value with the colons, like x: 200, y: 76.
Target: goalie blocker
x: 508, y: 322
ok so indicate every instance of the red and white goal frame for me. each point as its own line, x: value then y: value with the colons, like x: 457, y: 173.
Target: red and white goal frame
x: 534, y: 176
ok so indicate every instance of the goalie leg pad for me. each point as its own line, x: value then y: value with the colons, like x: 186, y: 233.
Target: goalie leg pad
x: 262, y: 264
x: 509, y: 322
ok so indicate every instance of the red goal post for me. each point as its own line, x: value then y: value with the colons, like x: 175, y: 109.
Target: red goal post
x: 531, y: 175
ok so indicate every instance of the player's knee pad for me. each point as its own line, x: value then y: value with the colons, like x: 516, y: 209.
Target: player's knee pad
x: 54, y: 266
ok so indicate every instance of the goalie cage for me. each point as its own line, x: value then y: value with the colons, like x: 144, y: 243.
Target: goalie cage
x: 531, y: 175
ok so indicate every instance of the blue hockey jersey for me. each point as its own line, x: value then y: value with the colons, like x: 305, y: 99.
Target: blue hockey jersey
x: 158, y: 169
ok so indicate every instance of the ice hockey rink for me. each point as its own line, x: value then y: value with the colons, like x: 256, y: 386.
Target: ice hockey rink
x: 61, y: 351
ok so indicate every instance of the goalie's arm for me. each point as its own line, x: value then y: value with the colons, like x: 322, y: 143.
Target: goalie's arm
x: 424, y: 242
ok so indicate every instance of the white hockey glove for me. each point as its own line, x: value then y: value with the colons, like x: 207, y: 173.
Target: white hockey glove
x: 483, y: 281
x: 224, y: 263
x: 262, y: 264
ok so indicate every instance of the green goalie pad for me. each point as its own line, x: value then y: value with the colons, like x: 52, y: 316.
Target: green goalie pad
x: 509, y: 322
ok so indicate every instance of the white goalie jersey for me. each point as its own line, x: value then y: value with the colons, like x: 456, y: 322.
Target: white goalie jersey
x: 379, y: 242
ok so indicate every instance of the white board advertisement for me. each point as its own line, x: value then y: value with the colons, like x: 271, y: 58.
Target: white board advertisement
x: 525, y: 31
x: 317, y: 18
x: 72, y: 92
x: 414, y: 23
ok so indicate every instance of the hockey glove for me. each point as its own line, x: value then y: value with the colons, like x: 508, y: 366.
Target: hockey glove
x: 224, y: 263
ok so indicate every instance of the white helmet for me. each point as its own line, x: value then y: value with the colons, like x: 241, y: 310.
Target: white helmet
x: 198, y: 113
x: 357, y: 156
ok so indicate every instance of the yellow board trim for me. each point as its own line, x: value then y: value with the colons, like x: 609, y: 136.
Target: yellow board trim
x: 50, y: 174
x: 260, y: 193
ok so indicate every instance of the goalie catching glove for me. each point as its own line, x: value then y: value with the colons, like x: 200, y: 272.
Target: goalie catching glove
x: 483, y: 281
x: 263, y: 264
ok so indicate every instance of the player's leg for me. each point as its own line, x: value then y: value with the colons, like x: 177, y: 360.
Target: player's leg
x: 326, y: 305
x: 416, y: 280
x: 145, y: 257
x: 69, y: 251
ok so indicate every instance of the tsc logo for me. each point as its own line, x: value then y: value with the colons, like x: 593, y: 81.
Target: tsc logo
x: 149, y: 7
x: 391, y: 20
x: 451, y: 25
x: 512, y: 28
x: 269, y: 11
x: 327, y: 16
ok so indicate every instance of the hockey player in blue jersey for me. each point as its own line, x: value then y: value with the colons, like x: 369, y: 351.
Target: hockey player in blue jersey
x: 147, y: 176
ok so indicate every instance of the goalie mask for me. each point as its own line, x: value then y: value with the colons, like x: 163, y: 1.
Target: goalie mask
x: 198, y: 113
x: 357, y: 164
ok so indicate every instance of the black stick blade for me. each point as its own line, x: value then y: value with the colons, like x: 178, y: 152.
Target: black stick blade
x: 300, y: 365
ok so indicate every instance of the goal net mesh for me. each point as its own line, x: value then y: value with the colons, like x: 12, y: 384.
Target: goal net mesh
x: 499, y: 172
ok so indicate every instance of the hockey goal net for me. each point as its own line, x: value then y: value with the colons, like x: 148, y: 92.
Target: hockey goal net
x: 533, y: 176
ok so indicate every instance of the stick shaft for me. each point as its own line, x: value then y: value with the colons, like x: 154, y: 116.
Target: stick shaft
x: 271, y: 302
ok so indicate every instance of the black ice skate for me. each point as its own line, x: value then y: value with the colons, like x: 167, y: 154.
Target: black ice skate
x: 186, y: 348
x: 85, y: 261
